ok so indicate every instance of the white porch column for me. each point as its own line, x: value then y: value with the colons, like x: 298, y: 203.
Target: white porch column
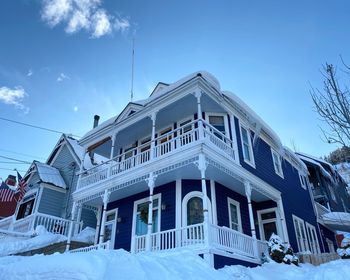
x: 198, y: 95
x: 153, y: 135
x: 98, y: 223
x: 248, y: 193
x: 71, y: 226
x: 282, y: 220
x: 105, y: 203
x: 80, y: 210
x: 113, y: 138
x: 202, y: 166
x: 150, y: 183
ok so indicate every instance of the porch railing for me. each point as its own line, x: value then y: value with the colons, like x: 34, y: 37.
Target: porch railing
x: 171, y: 239
x: 6, y: 223
x: 51, y: 223
x: 165, y: 144
x: 232, y: 241
x: 103, y: 246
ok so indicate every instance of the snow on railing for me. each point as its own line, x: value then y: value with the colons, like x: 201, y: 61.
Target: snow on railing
x: 103, y: 246
x: 24, y: 225
x: 263, y: 248
x: 171, y: 239
x: 6, y: 223
x: 232, y: 241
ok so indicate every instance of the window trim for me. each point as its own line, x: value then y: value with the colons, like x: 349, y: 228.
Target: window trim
x: 303, y: 183
x: 237, y: 204
x: 185, y: 200
x: 115, y: 224
x: 300, y: 221
x: 279, y: 157
x: 224, y: 115
x: 252, y: 161
x: 309, y: 229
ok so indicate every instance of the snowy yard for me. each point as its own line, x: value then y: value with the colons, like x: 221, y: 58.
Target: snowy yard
x: 180, y: 264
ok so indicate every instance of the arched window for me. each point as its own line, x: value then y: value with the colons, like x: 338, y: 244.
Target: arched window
x: 195, y: 211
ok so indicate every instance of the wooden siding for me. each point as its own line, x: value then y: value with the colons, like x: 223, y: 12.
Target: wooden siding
x: 52, y: 202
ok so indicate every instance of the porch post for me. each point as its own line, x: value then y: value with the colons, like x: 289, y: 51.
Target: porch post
x: 113, y: 138
x: 248, y: 193
x: 98, y: 223
x: 80, y: 209
x: 71, y: 225
x: 150, y: 183
x: 153, y: 135
x: 202, y: 166
x: 198, y: 95
x: 105, y: 202
x: 282, y: 220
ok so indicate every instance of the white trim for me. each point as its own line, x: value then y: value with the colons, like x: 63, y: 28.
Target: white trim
x: 252, y: 161
x: 234, y: 137
x: 224, y: 115
x: 143, y: 200
x: 239, y: 219
x: 274, y: 154
x: 184, y: 206
x: 178, y: 214
x: 312, y: 238
x: 330, y: 245
x: 277, y: 220
x: 303, y: 245
x: 114, y: 228
x: 38, y: 199
x: 213, y: 200
x: 303, y: 180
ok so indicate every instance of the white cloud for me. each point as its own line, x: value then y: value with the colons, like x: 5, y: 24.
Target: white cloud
x: 82, y: 15
x: 62, y: 77
x: 30, y: 73
x: 75, y: 109
x: 14, y: 97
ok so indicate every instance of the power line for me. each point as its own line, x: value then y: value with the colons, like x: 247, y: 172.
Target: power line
x: 22, y: 154
x: 11, y: 162
x: 15, y: 159
x: 35, y: 126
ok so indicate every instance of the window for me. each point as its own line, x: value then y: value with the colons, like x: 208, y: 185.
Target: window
x: 234, y: 214
x: 195, y: 211
x: 276, y: 158
x: 141, y: 216
x: 144, y: 150
x: 330, y: 245
x: 219, y: 122
x: 164, y: 144
x: 128, y: 157
x: 303, y: 181
x: 300, y: 234
x: 185, y: 135
x: 268, y: 223
x: 312, y: 237
x: 26, y: 208
x: 247, y: 146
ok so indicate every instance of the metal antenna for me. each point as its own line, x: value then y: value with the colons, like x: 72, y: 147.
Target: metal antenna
x: 132, y: 69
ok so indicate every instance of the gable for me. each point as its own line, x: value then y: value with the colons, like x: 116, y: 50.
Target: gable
x: 130, y: 109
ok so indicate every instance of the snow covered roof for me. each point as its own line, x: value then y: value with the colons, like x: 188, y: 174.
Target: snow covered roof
x: 49, y: 174
x: 314, y: 161
x: 337, y: 220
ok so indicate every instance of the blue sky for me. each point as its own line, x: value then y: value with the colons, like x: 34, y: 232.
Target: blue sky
x: 63, y: 61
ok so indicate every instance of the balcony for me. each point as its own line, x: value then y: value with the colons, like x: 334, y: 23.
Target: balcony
x: 172, y: 142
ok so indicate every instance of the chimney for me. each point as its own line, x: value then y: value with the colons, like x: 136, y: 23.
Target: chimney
x: 11, y: 180
x: 96, y: 119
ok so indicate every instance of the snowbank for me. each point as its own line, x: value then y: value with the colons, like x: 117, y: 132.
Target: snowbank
x: 180, y: 264
x: 87, y: 235
x: 11, y: 246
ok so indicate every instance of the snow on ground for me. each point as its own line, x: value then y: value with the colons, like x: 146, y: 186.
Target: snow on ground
x: 179, y: 264
x: 10, y: 245
x: 87, y: 235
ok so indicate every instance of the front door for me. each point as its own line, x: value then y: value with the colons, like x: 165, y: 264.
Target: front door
x: 268, y: 223
x: 110, y: 226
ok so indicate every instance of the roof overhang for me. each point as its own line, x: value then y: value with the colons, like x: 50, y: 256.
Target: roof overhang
x: 337, y: 221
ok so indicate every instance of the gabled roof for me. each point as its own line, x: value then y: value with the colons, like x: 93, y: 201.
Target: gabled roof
x: 128, y: 110
x: 159, y: 87
x: 48, y: 174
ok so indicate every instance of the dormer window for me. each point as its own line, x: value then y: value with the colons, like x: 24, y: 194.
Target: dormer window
x: 247, y: 146
x: 277, y: 163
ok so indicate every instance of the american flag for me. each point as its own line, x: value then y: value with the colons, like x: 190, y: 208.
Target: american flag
x: 6, y: 193
x: 21, y: 187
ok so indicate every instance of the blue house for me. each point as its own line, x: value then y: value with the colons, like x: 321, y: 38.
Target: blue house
x: 193, y: 166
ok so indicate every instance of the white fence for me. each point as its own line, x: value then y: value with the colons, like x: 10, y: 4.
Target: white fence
x: 103, y: 246
x: 163, y: 145
x: 51, y: 223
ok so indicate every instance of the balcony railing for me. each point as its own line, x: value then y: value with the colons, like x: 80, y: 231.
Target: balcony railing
x: 221, y: 238
x: 164, y: 145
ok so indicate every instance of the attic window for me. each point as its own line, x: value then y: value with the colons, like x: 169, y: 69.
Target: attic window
x: 131, y: 112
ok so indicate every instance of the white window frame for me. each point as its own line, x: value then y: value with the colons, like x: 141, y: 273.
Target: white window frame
x: 330, y: 245
x: 145, y: 157
x: 143, y: 200
x: 159, y: 138
x: 224, y: 115
x: 185, y: 200
x: 303, y: 246
x: 189, y: 139
x: 303, y: 180
x: 114, y: 223
x: 235, y: 203
x: 311, y: 235
x: 261, y: 222
x: 252, y: 160
x: 276, y: 155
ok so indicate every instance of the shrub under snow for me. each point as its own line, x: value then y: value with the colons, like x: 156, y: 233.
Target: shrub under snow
x: 344, y: 250
x: 280, y: 252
